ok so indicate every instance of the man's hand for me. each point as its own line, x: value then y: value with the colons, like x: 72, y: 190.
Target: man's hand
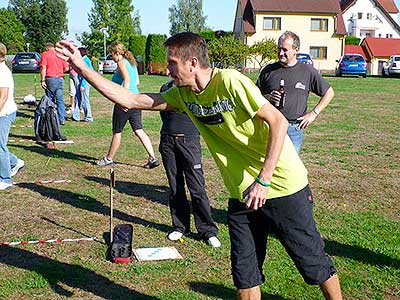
x: 274, y: 97
x: 43, y: 84
x: 307, y: 119
x: 70, y: 53
x: 255, y: 196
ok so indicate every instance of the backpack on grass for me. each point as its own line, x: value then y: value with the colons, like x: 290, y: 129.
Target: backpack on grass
x: 46, y: 123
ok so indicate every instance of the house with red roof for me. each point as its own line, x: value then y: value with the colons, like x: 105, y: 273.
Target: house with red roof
x: 371, y: 18
x: 376, y: 52
x: 319, y: 24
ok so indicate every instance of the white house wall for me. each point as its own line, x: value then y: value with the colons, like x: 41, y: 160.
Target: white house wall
x: 379, y: 25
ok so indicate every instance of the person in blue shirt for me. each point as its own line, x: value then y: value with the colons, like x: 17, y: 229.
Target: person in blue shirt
x: 127, y: 76
x: 82, y: 94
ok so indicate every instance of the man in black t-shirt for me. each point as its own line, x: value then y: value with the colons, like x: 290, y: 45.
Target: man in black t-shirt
x: 299, y: 79
x: 181, y: 155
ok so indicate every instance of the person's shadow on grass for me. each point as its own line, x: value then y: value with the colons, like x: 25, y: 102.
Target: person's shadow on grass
x: 74, y: 276
x: 360, y: 254
x: 56, y: 153
x: 21, y: 136
x: 156, y: 193
x: 21, y: 114
x: 90, y: 204
x: 219, y: 292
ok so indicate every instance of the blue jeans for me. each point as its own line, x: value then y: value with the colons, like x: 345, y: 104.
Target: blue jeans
x: 296, y: 135
x: 55, y: 88
x: 82, y: 99
x: 7, y: 159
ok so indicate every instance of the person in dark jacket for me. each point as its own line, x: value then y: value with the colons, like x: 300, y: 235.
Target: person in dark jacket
x: 180, y: 150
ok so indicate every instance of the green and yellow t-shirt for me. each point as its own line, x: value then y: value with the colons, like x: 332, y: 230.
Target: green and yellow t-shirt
x: 224, y: 112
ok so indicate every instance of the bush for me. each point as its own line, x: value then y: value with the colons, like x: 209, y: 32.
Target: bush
x: 137, y: 45
x: 352, y: 40
x: 156, y: 54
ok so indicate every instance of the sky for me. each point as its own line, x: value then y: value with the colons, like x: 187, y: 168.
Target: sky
x: 154, y: 14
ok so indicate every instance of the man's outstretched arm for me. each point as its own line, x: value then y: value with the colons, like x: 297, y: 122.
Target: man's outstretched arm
x: 114, y: 92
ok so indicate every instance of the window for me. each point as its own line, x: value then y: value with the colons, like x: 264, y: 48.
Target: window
x: 319, y: 24
x: 369, y: 16
x: 271, y: 23
x: 359, y: 15
x: 318, y: 52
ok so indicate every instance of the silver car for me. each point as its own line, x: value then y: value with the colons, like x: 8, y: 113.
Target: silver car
x: 109, y: 65
x: 392, y: 66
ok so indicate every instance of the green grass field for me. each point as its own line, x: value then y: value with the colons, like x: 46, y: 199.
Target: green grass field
x: 352, y: 155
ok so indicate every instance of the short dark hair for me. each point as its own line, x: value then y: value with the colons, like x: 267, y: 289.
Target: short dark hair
x: 83, y: 51
x: 187, y: 44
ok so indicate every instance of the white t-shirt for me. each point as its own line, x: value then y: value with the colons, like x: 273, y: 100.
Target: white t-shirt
x: 7, y: 81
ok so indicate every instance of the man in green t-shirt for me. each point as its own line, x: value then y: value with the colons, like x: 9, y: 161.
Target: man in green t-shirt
x: 247, y: 137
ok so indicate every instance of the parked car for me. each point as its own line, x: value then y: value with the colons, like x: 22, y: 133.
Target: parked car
x: 304, y: 58
x: 392, y: 66
x: 352, y: 64
x: 109, y: 65
x: 100, y: 64
x: 26, y: 62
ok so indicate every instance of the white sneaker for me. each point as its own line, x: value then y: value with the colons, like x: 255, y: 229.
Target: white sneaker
x: 175, y: 235
x: 18, y: 167
x: 4, y: 185
x: 214, y: 242
x: 104, y: 161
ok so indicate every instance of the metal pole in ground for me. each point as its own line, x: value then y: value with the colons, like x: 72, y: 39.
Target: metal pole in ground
x: 34, y: 82
x: 112, y: 185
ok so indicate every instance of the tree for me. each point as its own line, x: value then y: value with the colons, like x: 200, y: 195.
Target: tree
x: 227, y: 51
x: 187, y: 15
x: 45, y: 20
x: 11, y: 31
x: 118, y: 17
x: 263, y: 51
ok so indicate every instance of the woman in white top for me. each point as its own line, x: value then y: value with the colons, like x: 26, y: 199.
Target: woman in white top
x: 10, y: 165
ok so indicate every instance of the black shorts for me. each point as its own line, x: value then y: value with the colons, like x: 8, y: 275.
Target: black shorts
x: 120, y: 117
x: 291, y: 219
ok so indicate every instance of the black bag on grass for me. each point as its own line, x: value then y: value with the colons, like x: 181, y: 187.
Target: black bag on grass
x: 46, y: 123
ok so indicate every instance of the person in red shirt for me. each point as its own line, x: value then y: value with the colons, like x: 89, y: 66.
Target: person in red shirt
x: 52, y: 70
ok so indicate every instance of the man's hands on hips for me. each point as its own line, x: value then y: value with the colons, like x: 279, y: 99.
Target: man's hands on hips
x: 307, y: 119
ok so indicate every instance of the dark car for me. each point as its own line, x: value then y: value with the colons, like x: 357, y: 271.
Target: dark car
x: 304, y: 58
x: 352, y: 64
x: 26, y: 62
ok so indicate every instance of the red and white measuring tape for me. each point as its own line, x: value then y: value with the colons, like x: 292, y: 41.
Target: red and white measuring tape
x: 52, y: 241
